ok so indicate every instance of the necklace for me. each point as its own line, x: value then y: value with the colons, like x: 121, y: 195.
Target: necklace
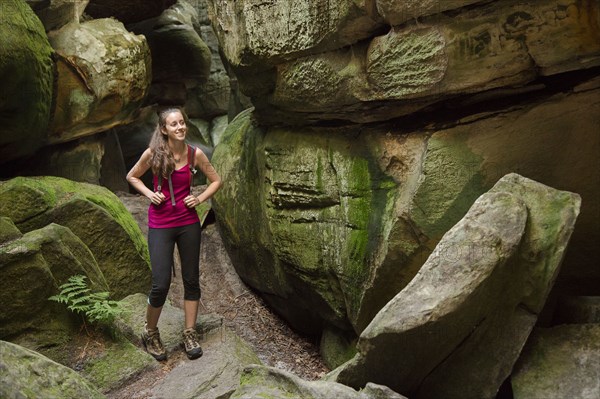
x: 177, y: 158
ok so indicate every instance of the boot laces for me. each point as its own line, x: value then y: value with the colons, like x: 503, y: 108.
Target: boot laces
x: 155, y: 342
x: 191, y: 339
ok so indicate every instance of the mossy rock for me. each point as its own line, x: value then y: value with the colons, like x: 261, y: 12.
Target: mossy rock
x: 119, y: 362
x: 94, y: 214
x: 456, y: 330
x: 33, y: 267
x: 27, y: 76
x: 8, y: 230
x: 28, y: 374
x: 302, y: 214
x: 400, y: 192
x: 337, y: 347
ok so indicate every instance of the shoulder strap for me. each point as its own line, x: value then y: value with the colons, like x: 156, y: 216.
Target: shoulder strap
x: 192, y: 164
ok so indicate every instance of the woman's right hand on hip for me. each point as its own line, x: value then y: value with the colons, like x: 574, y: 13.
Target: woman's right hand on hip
x: 157, y: 198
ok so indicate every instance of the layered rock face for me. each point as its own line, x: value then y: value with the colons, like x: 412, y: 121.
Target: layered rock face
x: 367, y: 66
x: 376, y: 126
x: 331, y: 223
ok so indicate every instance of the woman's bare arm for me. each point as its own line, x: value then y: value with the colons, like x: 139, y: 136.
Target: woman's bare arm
x: 138, y: 170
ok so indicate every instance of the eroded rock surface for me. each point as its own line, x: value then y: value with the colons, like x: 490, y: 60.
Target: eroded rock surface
x: 27, y: 374
x: 104, y: 73
x: 457, y: 329
x: 341, y: 219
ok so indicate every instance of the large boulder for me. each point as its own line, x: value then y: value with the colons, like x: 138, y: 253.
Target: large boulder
x: 252, y: 33
x: 341, y: 219
x: 104, y: 74
x: 268, y: 382
x: 457, y: 329
x: 54, y: 14
x: 116, y: 363
x: 212, y: 97
x: 299, y: 214
x: 225, y: 356
x: 559, y: 362
x: 295, y: 79
x: 27, y: 374
x: 180, y: 58
x: 93, y: 214
x: 26, y: 81
x: 33, y: 267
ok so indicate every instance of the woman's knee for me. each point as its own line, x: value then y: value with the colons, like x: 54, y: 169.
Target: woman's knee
x: 191, y: 292
x: 158, y: 295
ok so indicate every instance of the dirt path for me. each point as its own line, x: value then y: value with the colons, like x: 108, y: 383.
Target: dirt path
x: 242, y: 310
x: 275, y: 343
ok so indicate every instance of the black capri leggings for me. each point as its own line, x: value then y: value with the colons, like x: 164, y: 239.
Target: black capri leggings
x: 161, y: 244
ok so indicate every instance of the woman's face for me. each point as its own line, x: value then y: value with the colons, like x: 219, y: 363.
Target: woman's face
x: 175, y: 128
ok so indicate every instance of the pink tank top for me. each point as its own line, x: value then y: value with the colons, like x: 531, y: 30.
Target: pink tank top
x: 166, y: 215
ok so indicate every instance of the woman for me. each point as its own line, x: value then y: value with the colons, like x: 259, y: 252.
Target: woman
x: 172, y: 218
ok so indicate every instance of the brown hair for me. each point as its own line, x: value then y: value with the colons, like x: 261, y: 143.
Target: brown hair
x: 162, y: 161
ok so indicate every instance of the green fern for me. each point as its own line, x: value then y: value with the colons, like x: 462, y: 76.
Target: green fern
x: 93, y: 306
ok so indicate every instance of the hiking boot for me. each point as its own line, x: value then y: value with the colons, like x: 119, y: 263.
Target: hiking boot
x: 153, y: 344
x: 191, y: 343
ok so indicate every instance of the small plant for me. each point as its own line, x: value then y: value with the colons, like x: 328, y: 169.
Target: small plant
x: 93, y: 306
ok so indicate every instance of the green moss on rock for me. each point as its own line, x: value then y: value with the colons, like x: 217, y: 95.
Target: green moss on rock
x: 298, y: 218
x: 27, y: 75
x: 27, y: 374
x: 34, y: 266
x: 8, y: 230
x: 119, y: 362
x: 94, y: 214
x: 23, y: 198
